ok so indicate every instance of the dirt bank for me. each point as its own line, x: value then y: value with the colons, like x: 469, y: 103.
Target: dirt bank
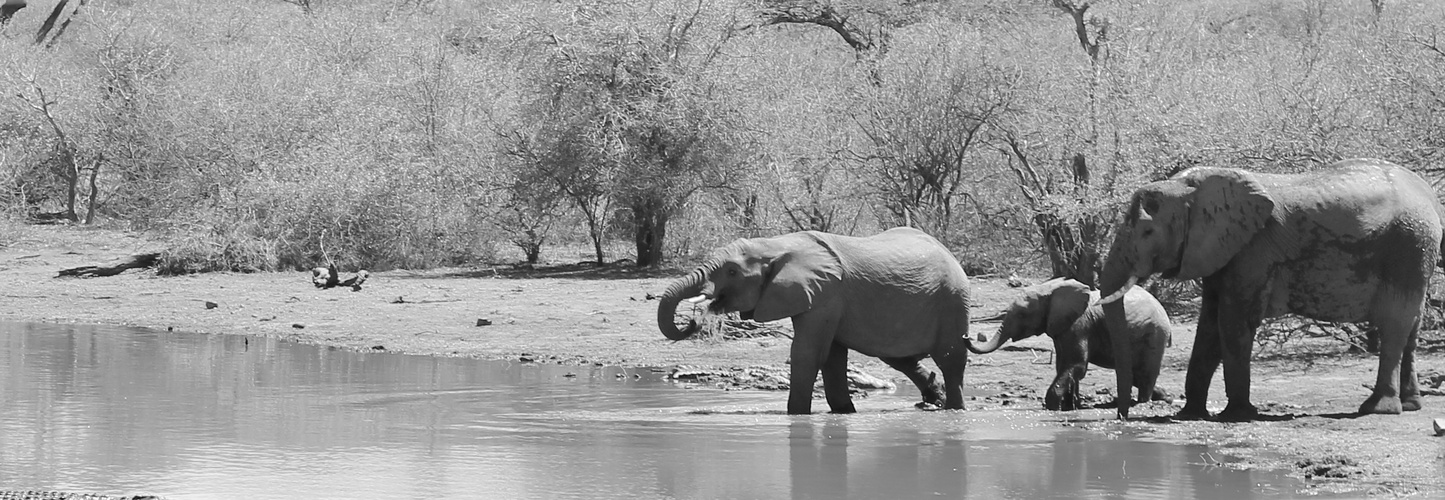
x: 586, y: 315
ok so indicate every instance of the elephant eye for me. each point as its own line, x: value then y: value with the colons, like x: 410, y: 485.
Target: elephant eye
x: 1148, y: 231
x: 732, y: 272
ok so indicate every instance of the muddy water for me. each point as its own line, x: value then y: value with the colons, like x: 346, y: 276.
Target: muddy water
x: 126, y: 411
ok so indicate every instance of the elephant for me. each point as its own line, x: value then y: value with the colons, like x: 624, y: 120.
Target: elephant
x: 1068, y: 311
x: 1356, y: 240
x: 899, y: 296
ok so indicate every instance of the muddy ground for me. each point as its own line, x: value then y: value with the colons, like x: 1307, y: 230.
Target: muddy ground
x: 586, y: 315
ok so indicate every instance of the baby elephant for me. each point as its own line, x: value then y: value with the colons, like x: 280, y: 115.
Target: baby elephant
x: 1069, y: 312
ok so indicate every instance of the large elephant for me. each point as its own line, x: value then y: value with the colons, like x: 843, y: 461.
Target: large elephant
x: 1068, y: 311
x: 1354, y: 241
x: 899, y: 296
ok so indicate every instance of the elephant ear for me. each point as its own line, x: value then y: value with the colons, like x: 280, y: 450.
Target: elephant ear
x: 796, y: 277
x: 1227, y: 208
x: 1067, y: 303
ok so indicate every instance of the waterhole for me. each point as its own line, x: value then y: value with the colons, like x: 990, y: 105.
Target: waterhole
x: 135, y: 411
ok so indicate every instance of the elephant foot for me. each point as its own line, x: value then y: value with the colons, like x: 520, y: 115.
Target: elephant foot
x: 1379, y: 404
x: 1410, y: 404
x: 1192, y: 412
x: 934, y: 398
x: 1162, y: 395
x: 843, y: 411
x: 1238, y: 412
x: 927, y: 406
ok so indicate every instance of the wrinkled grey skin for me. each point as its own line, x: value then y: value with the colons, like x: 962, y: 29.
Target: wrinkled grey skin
x: 1068, y: 312
x: 899, y: 296
x: 1354, y: 241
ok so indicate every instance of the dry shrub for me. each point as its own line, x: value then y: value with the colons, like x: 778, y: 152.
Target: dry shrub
x: 234, y: 250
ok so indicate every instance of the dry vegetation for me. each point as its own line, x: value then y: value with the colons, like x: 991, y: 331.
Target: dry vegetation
x: 386, y: 134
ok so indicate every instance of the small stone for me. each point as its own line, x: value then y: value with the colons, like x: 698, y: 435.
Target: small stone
x: 297, y: 326
x: 570, y: 375
x: 211, y: 305
x: 1440, y: 427
x: 524, y: 359
x: 378, y: 348
x: 483, y: 322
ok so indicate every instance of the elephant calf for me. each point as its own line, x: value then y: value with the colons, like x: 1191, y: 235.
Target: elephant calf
x: 900, y: 296
x: 1069, y: 312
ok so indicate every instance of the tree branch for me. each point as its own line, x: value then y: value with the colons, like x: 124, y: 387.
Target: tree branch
x: 821, y: 15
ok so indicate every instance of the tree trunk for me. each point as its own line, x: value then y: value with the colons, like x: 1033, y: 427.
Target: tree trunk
x: 1072, y: 246
x: 50, y: 22
x: 94, y: 191
x: 70, y: 173
x: 650, y: 221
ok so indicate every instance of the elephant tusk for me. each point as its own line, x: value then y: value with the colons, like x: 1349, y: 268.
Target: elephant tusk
x: 696, y: 299
x: 1122, y: 290
x: 989, y: 319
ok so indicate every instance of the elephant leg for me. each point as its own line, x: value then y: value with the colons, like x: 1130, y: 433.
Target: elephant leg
x: 1063, y: 393
x: 835, y: 380
x: 1409, y: 385
x: 1204, y: 359
x: 925, y: 380
x: 1236, y: 324
x: 952, y: 362
x: 1397, y: 326
x: 1146, y: 380
x: 812, y: 342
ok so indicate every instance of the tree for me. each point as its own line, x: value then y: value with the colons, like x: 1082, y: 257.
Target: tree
x: 647, y: 125
x: 67, y: 161
x: 555, y: 155
x: 928, y: 124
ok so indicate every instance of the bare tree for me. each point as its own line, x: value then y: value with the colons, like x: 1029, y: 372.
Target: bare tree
x: 67, y: 162
x: 651, y: 126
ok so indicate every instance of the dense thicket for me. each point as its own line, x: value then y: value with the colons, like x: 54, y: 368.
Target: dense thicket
x: 415, y: 133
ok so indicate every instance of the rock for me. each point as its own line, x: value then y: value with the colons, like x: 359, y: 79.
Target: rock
x: 863, y: 380
x: 483, y: 322
x: 297, y: 326
x: 211, y: 305
x: 1440, y: 427
x: 378, y: 348
x: 1014, y: 281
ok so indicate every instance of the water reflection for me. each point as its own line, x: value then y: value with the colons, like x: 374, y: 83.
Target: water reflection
x: 193, y: 416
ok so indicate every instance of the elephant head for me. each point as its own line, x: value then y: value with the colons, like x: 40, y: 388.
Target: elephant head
x: 763, y: 279
x: 1050, y: 307
x: 1186, y: 227
x: 1189, y: 226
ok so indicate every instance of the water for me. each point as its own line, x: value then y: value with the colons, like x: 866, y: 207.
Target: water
x: 129, y: 411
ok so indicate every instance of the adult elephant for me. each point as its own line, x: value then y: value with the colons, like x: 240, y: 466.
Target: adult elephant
x: 1068, y: 311
x: 899, y: 296
x: 1354, y: 241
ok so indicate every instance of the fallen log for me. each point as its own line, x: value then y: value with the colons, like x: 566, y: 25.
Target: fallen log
x: 137, y: 261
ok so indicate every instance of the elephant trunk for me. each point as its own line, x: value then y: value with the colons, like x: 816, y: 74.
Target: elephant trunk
x: 985, y: 345
x: 1118, y: 278
x: 1118, y: 275
x: 688, y: 286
